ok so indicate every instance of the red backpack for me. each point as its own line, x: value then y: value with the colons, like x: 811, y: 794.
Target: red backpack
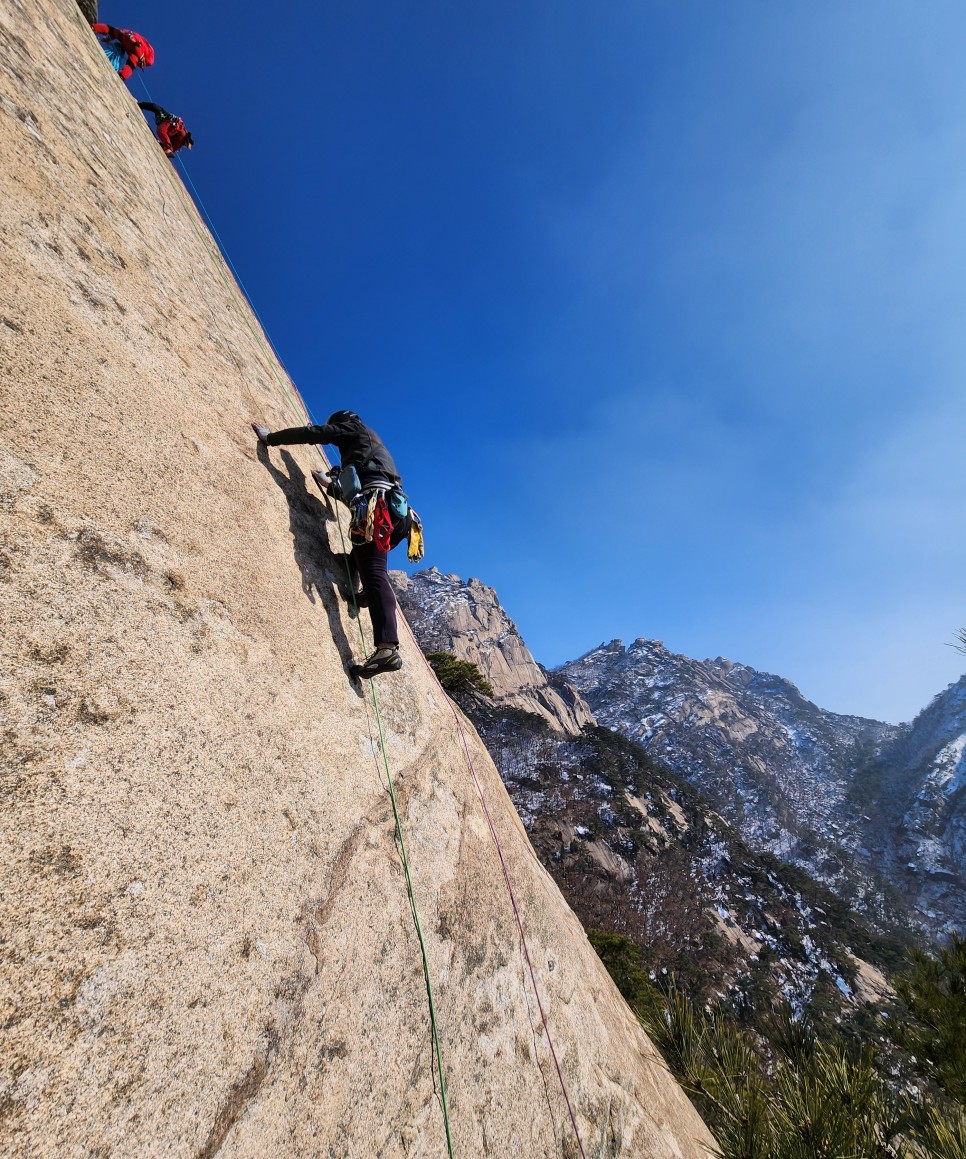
x: 177, y: 133
x: 136, y: 45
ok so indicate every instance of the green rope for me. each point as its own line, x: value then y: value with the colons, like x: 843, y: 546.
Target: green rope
x: 375, y: 699
x: 404, y: 858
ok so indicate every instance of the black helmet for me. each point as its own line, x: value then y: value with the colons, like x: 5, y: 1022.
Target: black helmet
x: 342, y: 416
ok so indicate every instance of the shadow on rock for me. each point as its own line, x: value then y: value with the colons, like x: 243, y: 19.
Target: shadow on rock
x: 307, y: 514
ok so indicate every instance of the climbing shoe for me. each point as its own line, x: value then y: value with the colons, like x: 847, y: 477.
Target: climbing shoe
x: 382, y: 660
x: 262, y: 432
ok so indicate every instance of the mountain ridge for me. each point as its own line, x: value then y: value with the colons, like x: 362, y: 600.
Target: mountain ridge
x: 796, y: 780
x: 787, y: 772
x: 639, y: 851
x: 468, y: 619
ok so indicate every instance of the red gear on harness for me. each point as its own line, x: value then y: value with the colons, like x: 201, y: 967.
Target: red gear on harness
x: 382, y: 525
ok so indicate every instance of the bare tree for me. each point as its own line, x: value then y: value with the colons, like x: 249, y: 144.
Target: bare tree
x: 960, y: 646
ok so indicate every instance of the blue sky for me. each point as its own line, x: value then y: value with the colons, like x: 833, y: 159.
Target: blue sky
x: 659, y: 305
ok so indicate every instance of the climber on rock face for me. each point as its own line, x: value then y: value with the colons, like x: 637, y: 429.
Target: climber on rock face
x: 369, y: 484
x: 171, y: 131
x: 126, y: 50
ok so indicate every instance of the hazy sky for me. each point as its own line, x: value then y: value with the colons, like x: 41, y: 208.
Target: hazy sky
x: 660, y: 306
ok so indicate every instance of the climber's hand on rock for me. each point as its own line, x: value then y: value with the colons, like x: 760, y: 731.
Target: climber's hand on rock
x: 262, y: 432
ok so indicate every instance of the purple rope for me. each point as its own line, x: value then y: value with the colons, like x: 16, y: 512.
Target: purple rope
x: 513, y: 900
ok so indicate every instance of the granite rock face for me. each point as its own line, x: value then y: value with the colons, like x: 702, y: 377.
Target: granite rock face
x: 207, y: 947
x: 467, y: 619
x: 914, y: 796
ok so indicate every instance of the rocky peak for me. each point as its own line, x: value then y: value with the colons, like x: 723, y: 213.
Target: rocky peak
x: 914, y: 794
x: 876, y: 810
x: 467, y: 619
x: 776, y: 765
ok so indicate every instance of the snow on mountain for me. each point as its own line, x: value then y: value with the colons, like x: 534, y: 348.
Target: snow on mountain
x: 635, y: 848
x: 874, y: 811
x: 775, y: 765
x: 467, y: 619
x: 915, y: 796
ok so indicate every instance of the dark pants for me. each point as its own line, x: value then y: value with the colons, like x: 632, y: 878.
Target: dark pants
x: 372, y: 566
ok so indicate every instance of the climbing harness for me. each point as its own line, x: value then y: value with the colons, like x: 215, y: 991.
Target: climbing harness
x: 201, y: 209
x: 377, y: 516
x: 404, y: 858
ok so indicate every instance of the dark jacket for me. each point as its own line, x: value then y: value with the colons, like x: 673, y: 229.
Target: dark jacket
x: 160, y: 114
x: 359, y: 447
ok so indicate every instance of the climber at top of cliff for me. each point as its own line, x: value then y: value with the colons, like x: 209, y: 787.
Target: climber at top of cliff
x: 172, y: 133
x: 370, y: 485
x: 126, y: 50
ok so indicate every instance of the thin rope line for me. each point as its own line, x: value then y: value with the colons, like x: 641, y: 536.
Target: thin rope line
x: 206, y: 215
x: 404, y: 857
x: 536, y: 1049
x: 211, y: 225
x: 513, y: 900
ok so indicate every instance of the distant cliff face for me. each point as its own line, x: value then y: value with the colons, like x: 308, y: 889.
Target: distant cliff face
x: 875, y: 811
x: 468, y: 620
x: 867, y: 807
x: 639, y: 851
x: 207, y: 946
x: 776, y: 765
x: 914, y: 794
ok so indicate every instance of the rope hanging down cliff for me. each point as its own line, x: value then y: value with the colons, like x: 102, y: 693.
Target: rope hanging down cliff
x: 199, y: 206
x: 404, y: 857
x: 300, y: 407
x: 510, y: 891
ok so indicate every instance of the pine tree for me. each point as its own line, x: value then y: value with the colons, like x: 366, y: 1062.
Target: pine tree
x: 934, y: 990
x: 458, y: 675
